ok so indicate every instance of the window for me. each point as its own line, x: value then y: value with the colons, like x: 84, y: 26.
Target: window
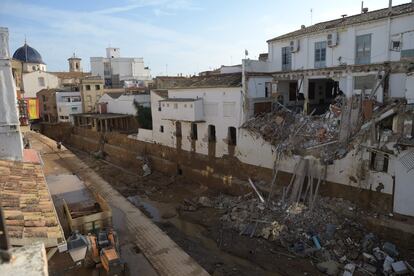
x: 44, y: 107
x: 379, y: 162
x: 74, y: 108
x: 228, y: 109
x: 194, y: 134
x: 364, y: 82
x: 161, y: 128
x: 212, y: 133
x: 76, y: 99
x: 41, y: 81
x: 87, y: 87
x: 268, y: 89
x: 62, y: 117
x: 363, y: 49
x: 232, y: 136
x: 44, y: 98
x: 175, y: 106
x: 320, y: 54
x: 97, y: 87
x: 286, y: 58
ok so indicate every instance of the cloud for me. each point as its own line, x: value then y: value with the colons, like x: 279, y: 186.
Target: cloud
x: 161, y: 6
x: 56, y: 33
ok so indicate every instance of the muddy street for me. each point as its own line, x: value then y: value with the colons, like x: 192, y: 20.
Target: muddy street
x: 198, y: 231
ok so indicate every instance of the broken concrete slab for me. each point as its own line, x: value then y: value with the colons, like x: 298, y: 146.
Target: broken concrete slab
x: 328, y: 267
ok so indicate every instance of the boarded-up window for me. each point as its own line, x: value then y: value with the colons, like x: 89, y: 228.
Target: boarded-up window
x: 364, y: 82
x: 229, y: 109
x: 211, y: 109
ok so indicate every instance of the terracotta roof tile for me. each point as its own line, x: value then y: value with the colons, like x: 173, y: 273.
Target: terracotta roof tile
x: 28, y: 207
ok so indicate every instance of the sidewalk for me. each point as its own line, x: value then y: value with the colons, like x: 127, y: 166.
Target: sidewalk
x: 164, y: 254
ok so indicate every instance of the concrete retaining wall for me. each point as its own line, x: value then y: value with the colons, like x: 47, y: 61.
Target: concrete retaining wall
x: 227, y: 174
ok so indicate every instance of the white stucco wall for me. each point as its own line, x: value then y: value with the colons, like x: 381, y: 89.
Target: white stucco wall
x: 380, y: 44
x: 126, y: 68
x: 404, y: 187
x: 32, y: 83
x: 124, y: 104
x: 222, y: 108
x: 65, y: 108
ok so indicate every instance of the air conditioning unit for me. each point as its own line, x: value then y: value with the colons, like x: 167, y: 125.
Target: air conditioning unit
x: 332, y: 39
x: 294, y: 46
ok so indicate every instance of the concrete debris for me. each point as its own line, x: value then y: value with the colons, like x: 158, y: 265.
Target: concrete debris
x: 328, y: 233
x: 292, y: 132
x: 390, y: 249
x: 349, y: 269
x: 328, y: 267
x: 399, y: 268
x: 147, y: 169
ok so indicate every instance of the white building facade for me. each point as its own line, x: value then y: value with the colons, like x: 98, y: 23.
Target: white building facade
x: 35, y: 81
x: 124, y: 103
x: 116, y: 69
x: 68, y: 103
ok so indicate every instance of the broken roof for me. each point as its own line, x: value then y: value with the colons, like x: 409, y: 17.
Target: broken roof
x: 350, y: 20
x: 210, y: 81
x: 28, y: 207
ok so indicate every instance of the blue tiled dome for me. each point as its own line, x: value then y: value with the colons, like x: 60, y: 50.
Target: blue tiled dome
x: 28, y: 54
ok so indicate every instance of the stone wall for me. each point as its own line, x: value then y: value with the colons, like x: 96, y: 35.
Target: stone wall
x: 226, y: 174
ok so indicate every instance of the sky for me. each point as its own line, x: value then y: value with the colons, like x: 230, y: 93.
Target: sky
x: 173, y: 36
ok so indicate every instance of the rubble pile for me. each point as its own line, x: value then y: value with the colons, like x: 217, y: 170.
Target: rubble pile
x: 294, y: 132
x: 328, y: 234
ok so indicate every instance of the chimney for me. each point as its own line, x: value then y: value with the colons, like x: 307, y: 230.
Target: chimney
x: 303, y: 26
x: 390, y: 5
x: 362, y: 6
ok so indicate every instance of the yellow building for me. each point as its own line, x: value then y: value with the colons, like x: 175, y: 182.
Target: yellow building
x: 92, y: 88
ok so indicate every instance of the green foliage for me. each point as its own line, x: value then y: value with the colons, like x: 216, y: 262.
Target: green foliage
x: 143, y: 116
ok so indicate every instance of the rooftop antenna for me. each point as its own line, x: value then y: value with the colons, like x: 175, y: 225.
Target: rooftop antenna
x: 311, y: 13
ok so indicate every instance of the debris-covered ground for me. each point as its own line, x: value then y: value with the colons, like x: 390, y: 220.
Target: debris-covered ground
x: 330, y: 234
x: 231, y: 235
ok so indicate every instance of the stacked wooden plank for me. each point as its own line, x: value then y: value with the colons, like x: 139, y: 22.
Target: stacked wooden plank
x: 28, y: 207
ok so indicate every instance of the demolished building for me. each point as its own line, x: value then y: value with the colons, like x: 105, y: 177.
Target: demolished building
x: 338, y: 93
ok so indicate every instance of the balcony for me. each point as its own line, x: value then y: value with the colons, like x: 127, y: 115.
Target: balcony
x: 182, y: 109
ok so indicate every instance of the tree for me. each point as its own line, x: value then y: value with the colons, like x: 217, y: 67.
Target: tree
x: 143, y: 115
